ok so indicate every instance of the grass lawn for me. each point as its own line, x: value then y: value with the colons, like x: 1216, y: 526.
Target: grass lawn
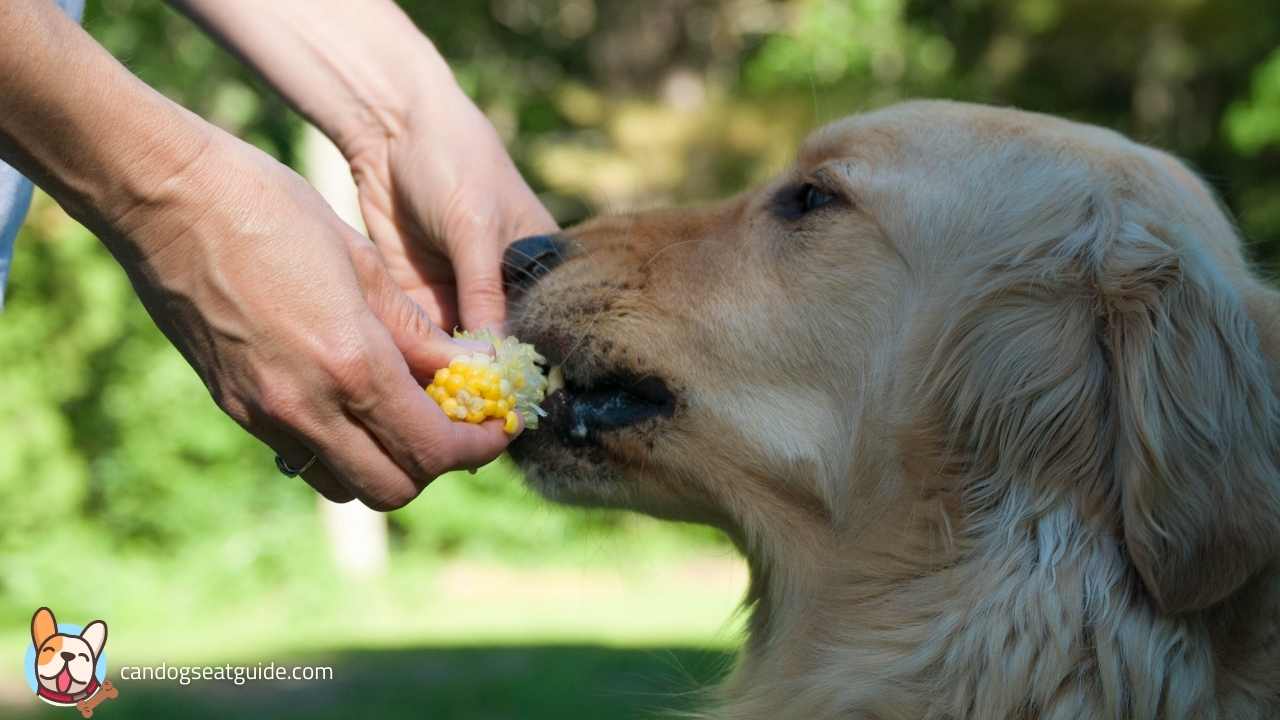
x: 466, y: 683
x: 465, y: 640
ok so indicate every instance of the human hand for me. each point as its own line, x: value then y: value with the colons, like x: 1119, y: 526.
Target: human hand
x: 442, y: 199
x: 288, y: 315
x: 439, y: 194
x: 296, y: 327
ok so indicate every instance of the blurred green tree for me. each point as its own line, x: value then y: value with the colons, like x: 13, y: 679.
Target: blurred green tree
x: 607, y: 105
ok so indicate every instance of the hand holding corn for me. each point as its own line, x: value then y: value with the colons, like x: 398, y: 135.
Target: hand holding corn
x: 508, y: 386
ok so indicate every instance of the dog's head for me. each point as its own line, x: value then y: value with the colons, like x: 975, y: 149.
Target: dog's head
x: 1004, y: 311
x: 65, y: 664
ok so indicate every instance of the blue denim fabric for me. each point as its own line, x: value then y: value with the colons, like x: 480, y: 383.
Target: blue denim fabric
x: 15, y: 190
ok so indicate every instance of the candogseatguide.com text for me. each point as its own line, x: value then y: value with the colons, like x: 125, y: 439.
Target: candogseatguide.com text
x: 238, y: 674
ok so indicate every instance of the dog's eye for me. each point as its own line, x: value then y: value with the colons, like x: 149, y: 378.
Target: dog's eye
x: 798, y: 200
x: 811, y: 198
x: 86, y: 657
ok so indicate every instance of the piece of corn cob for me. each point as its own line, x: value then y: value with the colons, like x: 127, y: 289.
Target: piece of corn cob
x: 477, y: 387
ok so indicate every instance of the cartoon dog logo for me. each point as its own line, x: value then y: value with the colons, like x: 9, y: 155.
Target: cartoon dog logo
x: 66, y: 664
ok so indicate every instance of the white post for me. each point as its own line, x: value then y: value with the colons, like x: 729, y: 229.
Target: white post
x: 357, y: 535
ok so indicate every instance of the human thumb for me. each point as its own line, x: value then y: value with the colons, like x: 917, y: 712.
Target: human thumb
x: 482, y: 301
x: 425, y: 346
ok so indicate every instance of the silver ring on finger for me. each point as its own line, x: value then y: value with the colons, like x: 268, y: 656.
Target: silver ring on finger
x: 287, y: 471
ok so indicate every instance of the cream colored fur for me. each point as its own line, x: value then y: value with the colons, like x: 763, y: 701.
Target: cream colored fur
x: 1023, y: 459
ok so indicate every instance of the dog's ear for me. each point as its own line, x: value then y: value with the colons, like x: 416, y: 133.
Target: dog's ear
x: 1098, y: 359
x: 43, y: 626
x: 95, y: 634
x: 1263, y: 305
x: 1196, y: 420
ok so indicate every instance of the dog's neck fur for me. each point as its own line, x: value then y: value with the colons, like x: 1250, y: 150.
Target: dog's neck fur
x: 1046, y: 620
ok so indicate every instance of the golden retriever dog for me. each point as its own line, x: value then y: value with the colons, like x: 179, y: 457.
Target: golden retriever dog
x: 988, y: 400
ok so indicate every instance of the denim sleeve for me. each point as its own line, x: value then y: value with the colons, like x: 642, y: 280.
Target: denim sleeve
x: 15, y: 197
x: 15, y: 190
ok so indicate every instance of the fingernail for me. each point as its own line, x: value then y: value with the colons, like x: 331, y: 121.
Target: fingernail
x: 475, y: 346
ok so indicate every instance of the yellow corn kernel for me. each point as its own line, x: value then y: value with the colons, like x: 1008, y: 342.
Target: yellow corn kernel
x: 507, y: 387
x: 449, y: 406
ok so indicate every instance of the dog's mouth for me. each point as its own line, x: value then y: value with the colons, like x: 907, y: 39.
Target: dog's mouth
x: 63, y: 680
x: 582, y: 411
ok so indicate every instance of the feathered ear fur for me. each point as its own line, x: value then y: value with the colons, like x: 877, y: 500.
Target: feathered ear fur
x: 1197, y: 423
x: 1104, y: 362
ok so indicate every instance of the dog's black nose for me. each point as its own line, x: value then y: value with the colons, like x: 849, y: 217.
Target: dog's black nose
x: 68, y: 656
x: 530, y: 258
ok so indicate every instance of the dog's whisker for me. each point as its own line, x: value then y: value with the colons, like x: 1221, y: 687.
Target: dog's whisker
x: 542, y: 266
x: 520, y: 269
x: 600, y: 313
x: 585, y: 334
x: 555, y: 248
x: 664, y: 248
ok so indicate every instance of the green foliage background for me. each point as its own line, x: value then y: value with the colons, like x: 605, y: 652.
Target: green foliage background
x: 606, y: 104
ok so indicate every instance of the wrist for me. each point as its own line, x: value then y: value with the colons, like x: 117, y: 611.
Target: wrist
x: 355, y: 70
x: 154, y: 179
x: 94, y: 137
x: 391, y: 98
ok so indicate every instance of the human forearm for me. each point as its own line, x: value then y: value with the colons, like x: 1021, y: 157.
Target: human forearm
x: 288, y: 314
x: 352, y: 68
x: 79, y: 124
x: 438, y: 192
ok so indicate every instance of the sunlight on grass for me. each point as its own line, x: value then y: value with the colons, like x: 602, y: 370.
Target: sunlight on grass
x: 482, y: 640
x: 690, y: 603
